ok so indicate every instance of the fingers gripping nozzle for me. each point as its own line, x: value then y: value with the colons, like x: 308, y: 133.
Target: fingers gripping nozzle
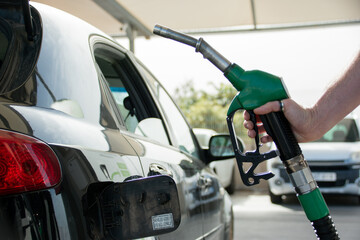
x: 248, y: 176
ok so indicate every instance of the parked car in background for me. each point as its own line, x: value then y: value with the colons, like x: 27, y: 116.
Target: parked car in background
x: 225, y: 169
x: 91, y: 144
x: 334, y: 161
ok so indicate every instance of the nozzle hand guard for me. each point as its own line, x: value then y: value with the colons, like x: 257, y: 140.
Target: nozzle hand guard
x: 249, y: 177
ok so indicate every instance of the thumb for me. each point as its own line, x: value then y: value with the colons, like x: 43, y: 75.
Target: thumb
x: 269, y: 107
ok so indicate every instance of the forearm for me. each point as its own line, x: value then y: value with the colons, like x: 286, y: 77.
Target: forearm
x: 339, y: 100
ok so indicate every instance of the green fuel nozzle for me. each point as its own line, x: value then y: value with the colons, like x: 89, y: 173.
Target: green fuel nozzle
x: 255, y: 89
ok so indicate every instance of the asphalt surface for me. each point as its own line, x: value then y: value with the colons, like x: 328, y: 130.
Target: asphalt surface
x: 256, y: 218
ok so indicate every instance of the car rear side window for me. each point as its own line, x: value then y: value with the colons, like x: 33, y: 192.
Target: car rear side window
x: 132, y: 100
x: 119, y: 92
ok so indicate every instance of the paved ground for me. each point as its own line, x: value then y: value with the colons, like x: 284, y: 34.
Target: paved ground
x: 256, y: 218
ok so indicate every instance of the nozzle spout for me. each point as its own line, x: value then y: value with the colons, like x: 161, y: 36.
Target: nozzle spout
x: 200, y: 46
x: 177, y: 36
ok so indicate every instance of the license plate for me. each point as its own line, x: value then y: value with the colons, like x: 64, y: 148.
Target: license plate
x: 324, y: 176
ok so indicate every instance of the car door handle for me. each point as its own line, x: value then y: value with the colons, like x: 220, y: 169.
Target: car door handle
x: 205, y: 182
x: 157, y: 169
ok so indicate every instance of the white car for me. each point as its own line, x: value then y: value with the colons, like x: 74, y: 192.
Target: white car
x: 225, y: 169
x: 334, y: 161
x: 91, y: 144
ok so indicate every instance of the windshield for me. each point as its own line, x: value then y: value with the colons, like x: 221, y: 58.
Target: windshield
x: 345, y: 131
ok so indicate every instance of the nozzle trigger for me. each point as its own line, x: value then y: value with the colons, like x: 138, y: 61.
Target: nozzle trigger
x: 257, y: 139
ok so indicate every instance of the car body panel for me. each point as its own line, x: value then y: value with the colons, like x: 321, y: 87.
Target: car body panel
x: 185, y: 174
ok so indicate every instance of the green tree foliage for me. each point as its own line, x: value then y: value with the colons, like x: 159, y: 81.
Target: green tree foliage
x: 208, y: 109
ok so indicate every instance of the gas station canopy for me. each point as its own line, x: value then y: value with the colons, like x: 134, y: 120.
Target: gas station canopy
x: 207, y: 15
x: 134, y: 18
x: 215, y: 15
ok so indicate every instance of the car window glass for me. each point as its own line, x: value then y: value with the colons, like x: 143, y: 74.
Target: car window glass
x: 181, y: 130
x: 118, y: 90
x: 129, y: 99
x: 4, y: 42
x: 18, y: 53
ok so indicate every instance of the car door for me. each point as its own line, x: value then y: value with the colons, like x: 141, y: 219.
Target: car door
x: 211, y: 199
x: 145, y: 130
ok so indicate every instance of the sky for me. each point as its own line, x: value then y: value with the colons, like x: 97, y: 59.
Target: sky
x: 308, y: 59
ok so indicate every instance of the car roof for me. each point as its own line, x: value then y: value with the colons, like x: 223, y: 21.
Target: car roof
x: 59, y: 17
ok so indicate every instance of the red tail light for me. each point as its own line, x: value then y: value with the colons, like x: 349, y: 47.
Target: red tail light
x: 26, y: 164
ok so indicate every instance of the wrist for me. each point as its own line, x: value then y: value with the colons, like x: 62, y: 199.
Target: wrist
x: 315, y: 124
